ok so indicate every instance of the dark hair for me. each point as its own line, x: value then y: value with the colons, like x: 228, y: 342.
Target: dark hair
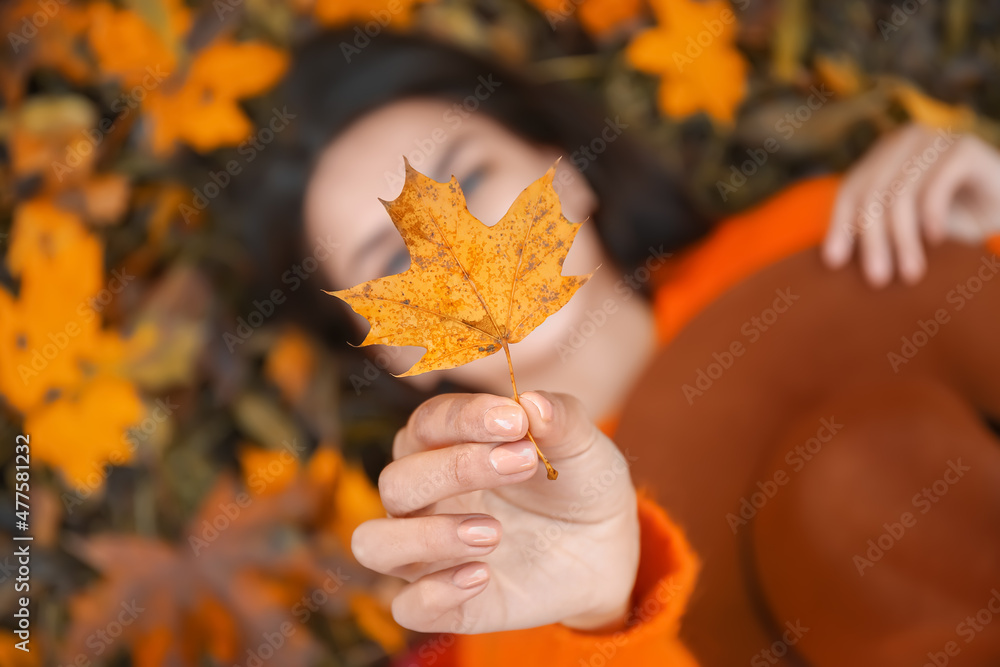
x: 331, y: 84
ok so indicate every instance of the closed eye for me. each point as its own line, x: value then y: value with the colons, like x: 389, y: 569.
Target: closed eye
x: 471, y: 182
x: 398, y: 263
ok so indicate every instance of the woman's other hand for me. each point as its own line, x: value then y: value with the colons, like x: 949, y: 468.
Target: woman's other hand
x: 916, y: 184
x: 485, y: 540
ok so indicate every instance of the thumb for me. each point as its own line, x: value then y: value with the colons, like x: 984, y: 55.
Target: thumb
x: 559, y: 423
x: 594, y: 476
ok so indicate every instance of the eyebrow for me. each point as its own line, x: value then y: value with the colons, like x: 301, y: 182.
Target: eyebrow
x: 440, y: 171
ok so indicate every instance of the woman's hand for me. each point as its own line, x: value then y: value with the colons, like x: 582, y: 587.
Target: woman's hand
x: 917, y: 183
x: 485, y: 540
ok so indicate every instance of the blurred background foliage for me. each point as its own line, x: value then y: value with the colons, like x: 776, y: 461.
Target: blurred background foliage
x: 213, y: 484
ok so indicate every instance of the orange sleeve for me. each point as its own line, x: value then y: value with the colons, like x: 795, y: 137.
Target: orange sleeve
x: 666, y: 576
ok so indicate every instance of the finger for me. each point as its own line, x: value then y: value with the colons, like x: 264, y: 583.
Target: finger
x: 853, y: 214
x: 947, y: 177
x: 838, y: 246
x: 386, y: 545
x: 876, y: 254
x: 451, y: 419
x: 419, y: 480
x: 434, y: 603
x: 906, y: 238
x: 885, y: 187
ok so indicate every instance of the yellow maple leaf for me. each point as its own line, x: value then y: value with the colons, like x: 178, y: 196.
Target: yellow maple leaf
x: 693, y: 50
x: 204, y: 111
x: 471, y: 289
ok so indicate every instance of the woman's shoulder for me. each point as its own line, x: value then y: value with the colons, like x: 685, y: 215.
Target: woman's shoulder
x: 788, y: 222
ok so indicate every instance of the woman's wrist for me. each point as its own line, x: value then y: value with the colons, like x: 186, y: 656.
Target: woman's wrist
x: 599, y: 623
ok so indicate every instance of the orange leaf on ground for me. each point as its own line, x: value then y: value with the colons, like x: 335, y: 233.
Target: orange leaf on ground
x: 129, y: 48
x: 57, y: 365
x: 204, y: 112
x: 397, y: 13
x: 78, y: 434
x: 935, y: 113
x: 290, y: 364
x: 376, y: 621
x: 244, y: 570
x: 356, y: 500
x: 597, y: 16
x: 14, y: 657
x: 55, y: 45
x: 50, y: 330
x: 700, y: 66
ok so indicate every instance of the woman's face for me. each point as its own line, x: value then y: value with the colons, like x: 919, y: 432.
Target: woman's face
x: 493, y: 165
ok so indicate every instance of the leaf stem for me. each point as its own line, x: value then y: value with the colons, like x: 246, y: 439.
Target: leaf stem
x: 552, y: 473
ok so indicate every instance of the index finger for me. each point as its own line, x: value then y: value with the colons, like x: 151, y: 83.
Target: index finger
x: 454, y: 419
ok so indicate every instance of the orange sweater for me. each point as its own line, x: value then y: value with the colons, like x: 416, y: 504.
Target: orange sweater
x: 788, y: 223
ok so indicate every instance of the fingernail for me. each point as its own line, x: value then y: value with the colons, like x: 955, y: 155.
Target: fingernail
x: 470, y: 575
x: 513, y: 458
x: 504, y: 419
x: 477, y: 534
x: 543, y: 404
x: 879, y: 272
x: 912, y: 271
